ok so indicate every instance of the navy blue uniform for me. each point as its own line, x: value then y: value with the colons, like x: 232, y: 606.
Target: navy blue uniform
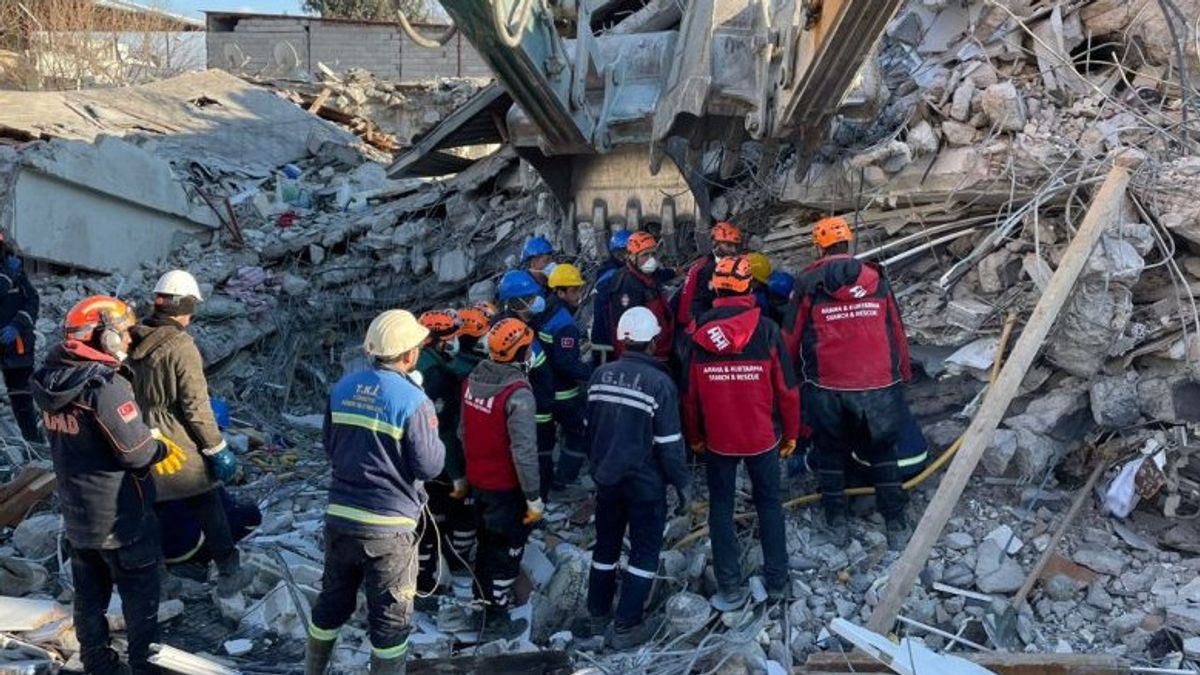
x: 19, y: 304
x: 636, y: 445
x: 602, y: 323
x: 560, y: 338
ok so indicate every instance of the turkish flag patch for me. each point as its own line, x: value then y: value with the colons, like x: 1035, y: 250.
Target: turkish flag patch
x: 127, y: 411
x: 567, y: 343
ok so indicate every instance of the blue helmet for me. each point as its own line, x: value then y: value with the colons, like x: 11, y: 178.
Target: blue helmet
x: 619, y: 240
x: 535, y: 247
x: 517, y: 284
x: 781, y: 284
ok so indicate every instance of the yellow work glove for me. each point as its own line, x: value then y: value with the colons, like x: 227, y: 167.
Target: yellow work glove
x: 698, y: 447
x: 533, y: 511
x: 175, y: 458
x: 460, y: 489
x: 787, y: 448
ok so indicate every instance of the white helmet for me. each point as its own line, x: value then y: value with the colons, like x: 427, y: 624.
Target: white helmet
x: 638, y: 324
x: 179, y: 283
x: 393, y: 333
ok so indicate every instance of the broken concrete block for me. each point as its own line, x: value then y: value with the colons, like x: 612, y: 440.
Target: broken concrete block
x: 453, y: 265
x: 1099, y: 558
x: 36, y: 537
x: 1000, y: 452
x: 1114, y: 400
x: 1185, y: 618
x: 1116, y: 259
x: 1004, y: 106
x: 957, y: 133
x: 687, y: 613
x: 20, y: 577
x: 922, y: 139
x: 1095, y: 316
x: 993, y: 276
x: 995, y: 572
x: 1003, y: 537
x: 960, y: 104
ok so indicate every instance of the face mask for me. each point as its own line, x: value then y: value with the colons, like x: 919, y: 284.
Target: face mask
x: 452, y: 347
x: 549, y: 268
x: 538, y: 305
x: 649, y: 265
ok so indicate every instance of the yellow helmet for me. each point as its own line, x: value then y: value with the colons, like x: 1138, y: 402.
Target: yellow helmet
x: 760, y: 266
x: 565, y: 275
x: 393, y: 333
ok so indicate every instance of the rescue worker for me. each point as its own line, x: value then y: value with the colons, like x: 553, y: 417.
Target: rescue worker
x: 471, y: 348
x: 637, y: 286
x: 602, y: 321
x: 844, y: 332
x: 522, y: 300
x: 18, y: 315
x: 183, y: 541
x: 102, y: 452
x: 561, y: 340
x: 779, y: 291
x: 538, y: 258
x: 381, y: 435
x: 696, y: 296
x: 500, y: 441
x: 636, y: 446
x: 760, y: 269
x: 741, y: 404
x: 447, y: 525
x: 169, y: 381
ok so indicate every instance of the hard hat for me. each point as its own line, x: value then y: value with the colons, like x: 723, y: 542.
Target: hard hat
x: 638, y: 324
x: 726, y: 233
x: 393, y: 333
x: 487, y: 307
x: 565, y: 275
x: 733, y: 274
x: 506, y: 339
x: 99, y: 312
x: 760, y: 266
x: 535, y: 247
x: 517, y: 284
x: 442, y: 323
x: 831, y: 230
x: 640, y: 242
x: 619, y: 240
x: 475, y: 322
x: 781, y: 283
x: 179, y: 283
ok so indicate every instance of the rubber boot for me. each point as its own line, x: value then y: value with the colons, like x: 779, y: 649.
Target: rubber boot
x: 498, y: 625
x: 897, y: 533
x: 632, y: 637
x: 839, y: 528
x: 317, y: 656
x: 232, y: 578
x: 388, y: 666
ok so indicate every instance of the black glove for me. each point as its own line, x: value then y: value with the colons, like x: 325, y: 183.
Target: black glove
x: 684, y: 495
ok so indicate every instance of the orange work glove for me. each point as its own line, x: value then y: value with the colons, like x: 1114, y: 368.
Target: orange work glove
x: 787, y: 448
x: 533, y: 511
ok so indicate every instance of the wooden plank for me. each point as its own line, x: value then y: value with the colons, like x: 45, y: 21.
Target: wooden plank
x: 24, y: 492
x: 534, y: 663
x: 1105, y: 209
x: 319, y: 101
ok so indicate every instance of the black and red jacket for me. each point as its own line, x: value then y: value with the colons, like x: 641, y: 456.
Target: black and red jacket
x: 632, y: 288
x: 740, y: 391
x: 485, y: 435
x: 696, y: 297
x: 843, y: 328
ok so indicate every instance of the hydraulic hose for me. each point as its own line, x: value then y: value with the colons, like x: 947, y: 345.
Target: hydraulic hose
x: 421, y: 40
x: 909, y: 484
x: 508, y: 37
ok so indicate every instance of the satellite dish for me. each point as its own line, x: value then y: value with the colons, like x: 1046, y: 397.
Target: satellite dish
x: 286, y: 57
x: 235, y: 59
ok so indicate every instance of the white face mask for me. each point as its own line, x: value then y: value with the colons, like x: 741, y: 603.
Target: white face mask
x: 528, y: 364
x: 649, y: 265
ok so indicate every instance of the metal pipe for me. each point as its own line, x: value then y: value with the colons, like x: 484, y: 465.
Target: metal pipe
x: 941, y: 633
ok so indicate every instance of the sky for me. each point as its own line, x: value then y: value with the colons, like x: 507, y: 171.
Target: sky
x: 195, y: 8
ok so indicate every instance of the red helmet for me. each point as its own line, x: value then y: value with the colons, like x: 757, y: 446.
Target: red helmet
x: 443, y: 324
x: 726, y: 233
x: 506, y: 339
x: 733, y: 275
x: 475, y: 322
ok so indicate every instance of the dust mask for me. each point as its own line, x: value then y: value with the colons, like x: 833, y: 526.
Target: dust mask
x: 649, y: 265
x: 538, y: 305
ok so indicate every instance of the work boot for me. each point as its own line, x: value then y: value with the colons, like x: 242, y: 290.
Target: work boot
x: 232, y: 578
x: 496, y: 624
x: 897, y: 533
x: 317, y: 656
x: 169, y: 585
x: 730, y: 601
x: 388, y: 666
x: 598, y: 625
x: 631, y: 637
x: 779, y: 594
x: 838, y: 528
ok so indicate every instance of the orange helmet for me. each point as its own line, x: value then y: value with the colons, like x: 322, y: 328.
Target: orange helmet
x: 443, y: 324
x: 487, y: 307
x: 99, y: 312
x: 733, y: 274
x: 832, y: 230
x: 726, y: 233
x: 506, y: 339
x: 640, y: 242
x: 475, y: 322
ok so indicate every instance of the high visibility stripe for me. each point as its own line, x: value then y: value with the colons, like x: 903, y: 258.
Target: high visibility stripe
x: 623, y: 391
x: 389, y: 653
x: 621, y: 401
x: 516, y: 552
x: 504, y: 583
x: 637, y: 572
x: 370, y: 423
x: 604, y: 567
x: 539, y: 359
x: 668, y: 439
x: 549, y: 417
x: 902, y: 463
x: 545, y: 337
x: 323, y: 634
x: 189, y: 554
x: 368, y: 518
x: 566, y: 394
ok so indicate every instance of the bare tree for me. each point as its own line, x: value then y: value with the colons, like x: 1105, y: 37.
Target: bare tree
x: 369, y: 10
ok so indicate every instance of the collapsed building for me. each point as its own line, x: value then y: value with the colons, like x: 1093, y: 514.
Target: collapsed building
x: 993, y: 126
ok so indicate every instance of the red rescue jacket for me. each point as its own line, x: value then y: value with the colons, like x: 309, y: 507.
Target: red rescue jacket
x: 740, y: 391
x: 485, y: 440
x: 696, y: 298
x: 843, y: 328
x: 632, y: 288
